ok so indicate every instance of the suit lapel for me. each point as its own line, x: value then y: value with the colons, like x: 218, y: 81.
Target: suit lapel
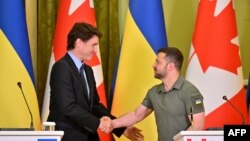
x: 77, y: 74
x: 90, y: 79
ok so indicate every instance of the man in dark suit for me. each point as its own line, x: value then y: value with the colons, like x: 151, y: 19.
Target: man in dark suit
x: 74, y: 102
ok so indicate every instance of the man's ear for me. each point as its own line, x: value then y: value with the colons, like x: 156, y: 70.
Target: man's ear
x: 171, y: 66
x: 78, y: 42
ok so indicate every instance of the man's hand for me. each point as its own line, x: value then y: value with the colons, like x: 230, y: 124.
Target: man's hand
x: 105, y: 125
x: 133, y: 134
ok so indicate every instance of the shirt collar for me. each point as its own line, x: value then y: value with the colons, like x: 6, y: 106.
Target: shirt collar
x: 178, y: 84
x: 77, y: 62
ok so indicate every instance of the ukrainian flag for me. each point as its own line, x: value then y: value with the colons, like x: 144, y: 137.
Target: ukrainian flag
x: 144, y: 34
x: 16, y: 66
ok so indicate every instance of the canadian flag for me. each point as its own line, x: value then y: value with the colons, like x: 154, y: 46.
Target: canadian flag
x: 214, y: 65
x: 70, y: 12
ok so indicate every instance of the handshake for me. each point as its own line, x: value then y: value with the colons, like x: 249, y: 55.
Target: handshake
x: 132, y: 133
x: 106, y: 124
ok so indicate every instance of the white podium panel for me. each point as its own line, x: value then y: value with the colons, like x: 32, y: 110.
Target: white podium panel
x: 31, y: 135
x: 199, y: 136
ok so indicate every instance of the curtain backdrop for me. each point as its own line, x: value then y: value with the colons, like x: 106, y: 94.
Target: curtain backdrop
x: 46, y: 23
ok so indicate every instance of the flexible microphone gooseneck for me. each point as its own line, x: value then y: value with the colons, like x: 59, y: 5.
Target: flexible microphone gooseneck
x: 242, y: 117
x: 31, y: 117
x: 191, y: 116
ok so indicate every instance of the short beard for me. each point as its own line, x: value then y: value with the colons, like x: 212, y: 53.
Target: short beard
x: 158, y: 76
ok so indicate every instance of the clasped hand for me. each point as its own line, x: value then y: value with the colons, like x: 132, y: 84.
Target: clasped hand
x: 105, y: 124
x: 132, y: 133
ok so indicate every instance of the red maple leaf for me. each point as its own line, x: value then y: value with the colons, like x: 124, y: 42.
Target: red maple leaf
x: 213, y: 35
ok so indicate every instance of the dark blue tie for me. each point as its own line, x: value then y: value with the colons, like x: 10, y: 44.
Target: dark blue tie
x: 83, y: 76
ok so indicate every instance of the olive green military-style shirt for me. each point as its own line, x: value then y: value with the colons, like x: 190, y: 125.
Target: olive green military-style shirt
x: 172, y: 107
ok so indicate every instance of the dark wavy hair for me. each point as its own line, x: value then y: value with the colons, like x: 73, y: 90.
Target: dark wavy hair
x: 174, y: 55
x: 81, y: 30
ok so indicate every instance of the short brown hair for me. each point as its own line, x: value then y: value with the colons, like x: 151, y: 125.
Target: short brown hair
x: 81, y: 30
x: 174, y: 54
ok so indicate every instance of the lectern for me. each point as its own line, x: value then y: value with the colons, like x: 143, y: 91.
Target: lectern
x: 200, y: 136
x: 31, y: 135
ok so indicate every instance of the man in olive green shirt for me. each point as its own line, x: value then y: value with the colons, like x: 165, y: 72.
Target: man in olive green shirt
x: 177, y: 104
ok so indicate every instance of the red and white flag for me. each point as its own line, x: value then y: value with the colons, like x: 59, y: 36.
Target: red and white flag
x: 215, y: 63
x: 70, y: 12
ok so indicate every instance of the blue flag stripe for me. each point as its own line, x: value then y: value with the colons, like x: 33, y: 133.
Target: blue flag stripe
x: 14, y: 27
x: 149, y: 17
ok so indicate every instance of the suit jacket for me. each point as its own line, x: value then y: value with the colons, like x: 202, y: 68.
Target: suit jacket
x: 70, y: 107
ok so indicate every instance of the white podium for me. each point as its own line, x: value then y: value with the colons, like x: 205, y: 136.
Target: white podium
x: 31, y: 135
x: 217, y: 135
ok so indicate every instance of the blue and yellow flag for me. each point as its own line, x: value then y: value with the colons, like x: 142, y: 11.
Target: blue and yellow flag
x: 16, y: 66
x: 144, y: 34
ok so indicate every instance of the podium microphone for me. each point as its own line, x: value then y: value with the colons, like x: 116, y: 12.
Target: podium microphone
x: 243, y: 120
x: 31, y: 117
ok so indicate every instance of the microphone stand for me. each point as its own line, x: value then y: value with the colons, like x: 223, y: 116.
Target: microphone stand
x: 31, y: 117
x: 243, y: 119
